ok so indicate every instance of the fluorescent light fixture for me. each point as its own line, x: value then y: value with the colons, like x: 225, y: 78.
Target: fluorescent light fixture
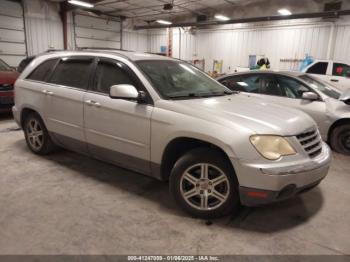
x: 164, y: 22
x: 284, y: 12
x: 222, y: 17
x: 81, y: 3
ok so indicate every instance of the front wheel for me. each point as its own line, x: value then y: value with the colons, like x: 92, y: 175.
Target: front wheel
x: 204, y: 184
x: 340, y: 139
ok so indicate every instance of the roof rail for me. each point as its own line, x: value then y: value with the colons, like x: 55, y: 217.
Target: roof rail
x: 101, y: 48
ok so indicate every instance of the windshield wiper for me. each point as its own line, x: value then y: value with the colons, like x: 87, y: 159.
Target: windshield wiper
x: 203, y: 95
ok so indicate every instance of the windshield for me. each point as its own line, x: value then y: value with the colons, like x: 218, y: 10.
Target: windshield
x: 176, y: 79
x: 320, y: 86
x: 4, y: 66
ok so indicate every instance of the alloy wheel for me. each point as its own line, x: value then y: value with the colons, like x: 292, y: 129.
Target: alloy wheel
x: 35, y: 134
x: 204, y: 186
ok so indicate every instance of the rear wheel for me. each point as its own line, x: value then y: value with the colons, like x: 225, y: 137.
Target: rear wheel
x: 37, y: 136
x: 340, y: 139
x: 204, y: 184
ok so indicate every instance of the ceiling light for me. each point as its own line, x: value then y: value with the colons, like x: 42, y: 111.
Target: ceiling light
x: 284, y: 12
x: 222, y: 17
x: 80, y: 3
x: 164, y: 22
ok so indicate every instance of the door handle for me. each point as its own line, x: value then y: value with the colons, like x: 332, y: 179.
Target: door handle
x: 334, y: 80
x: 92, y: 103
x: 47, y: 92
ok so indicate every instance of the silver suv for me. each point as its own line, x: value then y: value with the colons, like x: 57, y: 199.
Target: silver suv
x: 166, y: 119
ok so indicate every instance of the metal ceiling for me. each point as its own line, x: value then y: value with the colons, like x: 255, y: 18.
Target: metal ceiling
x: 149, y: 10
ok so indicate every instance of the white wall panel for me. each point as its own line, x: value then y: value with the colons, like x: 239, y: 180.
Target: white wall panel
x: 342, y: 43
x: 43, y: 26
x: 135, y: 40
x: 157, y: 38
x: 281, y: 40
x: 12, y: 36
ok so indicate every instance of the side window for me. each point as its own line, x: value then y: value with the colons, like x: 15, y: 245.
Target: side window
x: 341, y: 70
x: 291, y: 87
x: 73, y: 72
x: 234, y: 83
x: 319, y: 68
x: 250, y: 83
x: 43, y: 70
x: 270, y: 86
x: 110, y: 73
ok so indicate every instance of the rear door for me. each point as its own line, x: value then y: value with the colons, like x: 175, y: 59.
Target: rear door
x: 117, y: 130
x: 64, y: 93
x: 287, y: 91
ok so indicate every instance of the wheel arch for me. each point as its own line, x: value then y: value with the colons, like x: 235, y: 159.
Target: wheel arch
x: 337, y: 123
x: 178, y: 146
x: 27, y: 111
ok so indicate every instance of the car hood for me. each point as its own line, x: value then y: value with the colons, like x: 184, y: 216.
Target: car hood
x: 8, y: 77
x: 239, y: 111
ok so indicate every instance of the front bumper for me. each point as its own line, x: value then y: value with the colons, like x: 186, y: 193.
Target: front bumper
x: 6, y: 100
x: 262, y: 184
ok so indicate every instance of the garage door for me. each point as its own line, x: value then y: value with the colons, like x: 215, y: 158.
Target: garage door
x: 96, y: 32
x: 12, y: 37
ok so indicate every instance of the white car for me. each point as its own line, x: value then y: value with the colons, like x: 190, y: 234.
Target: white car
x: 165, y: 118
x: 333, y: 72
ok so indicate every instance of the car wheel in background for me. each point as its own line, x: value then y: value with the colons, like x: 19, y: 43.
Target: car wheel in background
x: 340, y: 139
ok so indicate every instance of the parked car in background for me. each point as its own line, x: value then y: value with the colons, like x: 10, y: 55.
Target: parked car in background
x: 165, y: 118
x: 23, y: 64
x: 335, y: 73
x: 329, y: 107
x: 8, y: 77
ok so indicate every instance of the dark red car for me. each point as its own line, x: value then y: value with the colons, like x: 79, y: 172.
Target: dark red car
x: 8, y: 76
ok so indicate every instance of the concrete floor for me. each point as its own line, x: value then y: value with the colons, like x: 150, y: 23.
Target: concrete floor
x: 70, y: 204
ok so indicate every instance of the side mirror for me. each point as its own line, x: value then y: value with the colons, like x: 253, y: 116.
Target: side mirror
x: 310, y: 96
x: 128, y: 92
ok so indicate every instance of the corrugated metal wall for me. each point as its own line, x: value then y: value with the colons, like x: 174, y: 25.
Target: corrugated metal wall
x: 278, y: 41
x: 43, y: 26
x: 135, y: 40
x: 342, y: 43
x: 156, y: 39
x: 12, y: 36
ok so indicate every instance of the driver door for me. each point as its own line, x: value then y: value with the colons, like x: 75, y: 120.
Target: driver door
x: 117, y: 130
x: 287, y: 91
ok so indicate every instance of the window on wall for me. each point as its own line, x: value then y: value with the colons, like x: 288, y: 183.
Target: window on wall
x: 319, y: 68
x: 110, y: 73
x: 340, y: 69
x: 73, y: 72
x: 43, y: 70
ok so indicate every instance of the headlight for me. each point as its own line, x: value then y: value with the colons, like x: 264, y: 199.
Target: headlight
x: 272, y: 147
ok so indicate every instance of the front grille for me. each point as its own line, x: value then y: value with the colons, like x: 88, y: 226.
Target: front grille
x: 6, y: 87
x: 311, y: 142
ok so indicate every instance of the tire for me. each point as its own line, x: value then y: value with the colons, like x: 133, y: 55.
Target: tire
x: 196, y: 192
x: 340, y: 139
x: 36, y: 135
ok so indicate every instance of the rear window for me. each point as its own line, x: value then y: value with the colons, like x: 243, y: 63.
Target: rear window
x: 319, y: 68
x: 341, y: 70
x: 43, y: 70
x: 73, y: 72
